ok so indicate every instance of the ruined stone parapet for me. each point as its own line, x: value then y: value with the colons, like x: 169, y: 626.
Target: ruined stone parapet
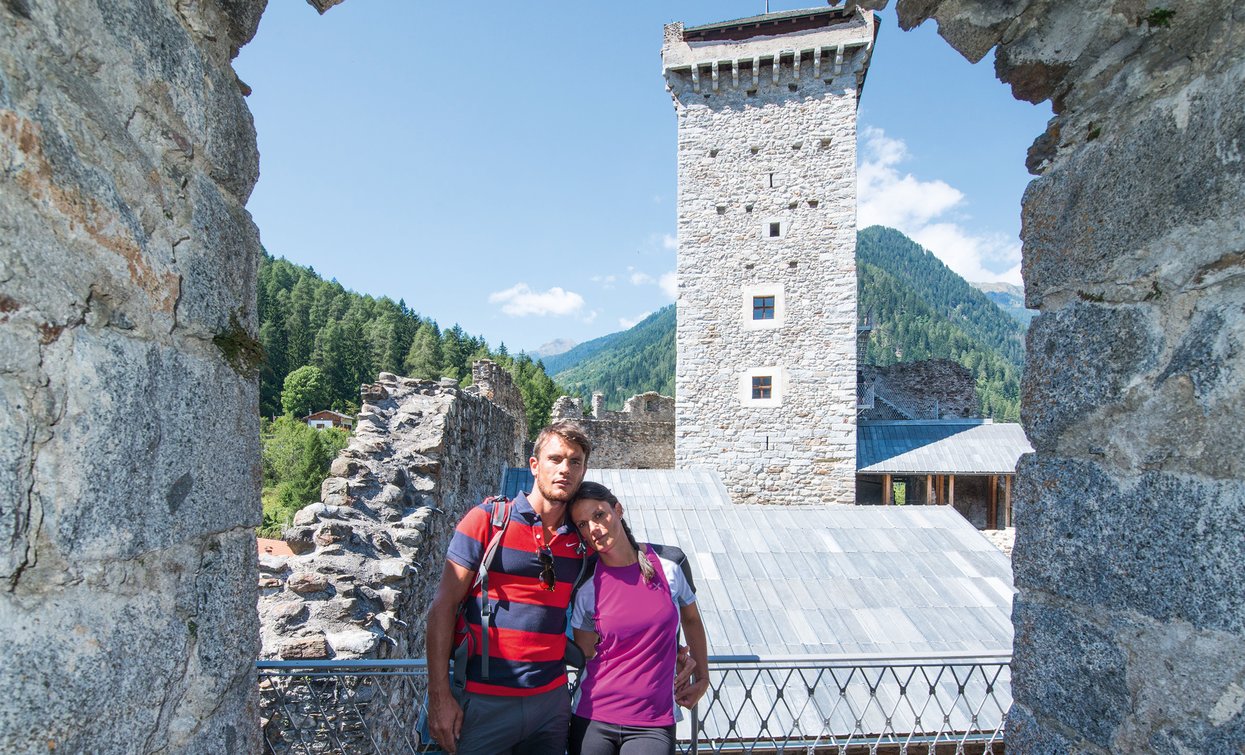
x: 369, y: 554
x: 129, y: 423
x: 766, y: 113
x: 1129, y: 558
x: 928, y: 389
x: 490, y: 380
x: 641, y: 436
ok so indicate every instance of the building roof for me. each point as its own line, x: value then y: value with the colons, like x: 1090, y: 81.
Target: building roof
x: 975, y: 447
x: 796, y: 580
x: 779, y: 22
x: 329, y: 412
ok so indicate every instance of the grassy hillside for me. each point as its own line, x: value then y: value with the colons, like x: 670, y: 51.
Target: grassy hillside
x: 623, y: 364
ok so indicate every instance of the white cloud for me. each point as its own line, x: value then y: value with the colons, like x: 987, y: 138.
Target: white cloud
x: 521, y: 301
x: 626, y: 323
x: 640, y: 279
x: 669, y: 283
x: 669, y: 242
x: 919, y: 209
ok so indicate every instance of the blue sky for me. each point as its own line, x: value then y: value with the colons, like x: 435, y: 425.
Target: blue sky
x: 511, y: 166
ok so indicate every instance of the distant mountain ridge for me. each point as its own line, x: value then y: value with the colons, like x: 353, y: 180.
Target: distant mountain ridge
x: 919, y: 308
x: 1009, y: 297
x: 556, y: 346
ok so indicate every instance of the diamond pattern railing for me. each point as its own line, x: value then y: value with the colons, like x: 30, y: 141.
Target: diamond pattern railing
x: 801, y: 704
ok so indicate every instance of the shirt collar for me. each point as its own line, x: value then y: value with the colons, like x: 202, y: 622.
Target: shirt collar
x: 523, y: 508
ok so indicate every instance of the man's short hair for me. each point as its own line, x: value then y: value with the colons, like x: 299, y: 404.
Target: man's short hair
x: 568, y: 431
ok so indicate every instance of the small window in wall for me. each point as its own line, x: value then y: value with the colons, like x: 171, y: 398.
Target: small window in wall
x: 763, y: 386
x: 774, y: 228
x: 762, y: 306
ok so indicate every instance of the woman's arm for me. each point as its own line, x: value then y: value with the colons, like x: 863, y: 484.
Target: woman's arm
x: 587, y: 642
x: 698, y: 644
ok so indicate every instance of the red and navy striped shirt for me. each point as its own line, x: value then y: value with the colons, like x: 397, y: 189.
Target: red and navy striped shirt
x: 527, y: 639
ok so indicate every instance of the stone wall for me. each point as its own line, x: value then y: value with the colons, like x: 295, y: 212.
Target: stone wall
x: 127, y: 315
x: 1129, y: 559
x: 491, y: 381
x: 369, y: 555
x: 928, y: 389
x: 641, y: 436
x: 767, y: 207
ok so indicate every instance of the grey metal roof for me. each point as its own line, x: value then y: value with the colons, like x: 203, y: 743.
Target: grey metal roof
x: 838, y: 10
x: 939, y: 447
x: 786, y: 580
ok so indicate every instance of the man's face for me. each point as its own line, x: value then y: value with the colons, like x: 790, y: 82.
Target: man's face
x: 599, y: 524
x: 558, y: 470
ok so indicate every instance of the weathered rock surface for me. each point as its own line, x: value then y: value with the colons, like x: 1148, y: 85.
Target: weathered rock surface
x: 127, y: 317
x: 370, y: 553
x: 1130, y: 620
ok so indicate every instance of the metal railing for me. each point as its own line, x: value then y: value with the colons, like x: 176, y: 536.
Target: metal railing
x: 805, y: 704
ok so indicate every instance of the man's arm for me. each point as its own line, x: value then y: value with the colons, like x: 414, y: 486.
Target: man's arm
x: 445, y: 717
x: 698, y: 644
x: 586, y: 639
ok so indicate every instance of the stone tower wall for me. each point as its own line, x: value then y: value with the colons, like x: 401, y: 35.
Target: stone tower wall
x: 1129, y: 557
x: 491, y: 381
x: 753, y: 152
x: 127, y: 319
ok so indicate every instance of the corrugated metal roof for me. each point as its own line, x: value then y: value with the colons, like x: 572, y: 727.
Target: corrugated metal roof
x: 792, y: 580
x: 939, y: 447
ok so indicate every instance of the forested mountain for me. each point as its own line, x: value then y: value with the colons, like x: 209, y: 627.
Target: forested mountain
x: 350, y: 338
x: 919, y: 308
x: 622, y: 364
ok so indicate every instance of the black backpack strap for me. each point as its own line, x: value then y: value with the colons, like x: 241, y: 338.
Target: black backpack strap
x: 676, y: 554
x: 498, y: 522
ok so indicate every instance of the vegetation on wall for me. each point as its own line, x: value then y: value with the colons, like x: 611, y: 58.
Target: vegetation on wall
x: 295, y: 459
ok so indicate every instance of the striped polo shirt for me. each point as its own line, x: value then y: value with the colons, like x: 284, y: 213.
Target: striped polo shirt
x: 527, y: 640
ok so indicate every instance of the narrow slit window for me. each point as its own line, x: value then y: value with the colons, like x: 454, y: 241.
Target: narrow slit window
x: 762, y: 386
x: 775, y: 230
x: 762, y: 308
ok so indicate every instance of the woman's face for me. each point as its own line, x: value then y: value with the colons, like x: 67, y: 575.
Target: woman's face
x: 599, y: 524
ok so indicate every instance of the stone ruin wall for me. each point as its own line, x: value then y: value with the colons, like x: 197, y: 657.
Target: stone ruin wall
x: 1129, y: 558
x: 369, y: 555
x: 128, y: 155
x: 641, y: 436
x: 928, y: 389
x: 491, y: 381
x: 127, y: 315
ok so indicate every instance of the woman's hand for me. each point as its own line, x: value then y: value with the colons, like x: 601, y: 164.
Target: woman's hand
x: 692, y: 692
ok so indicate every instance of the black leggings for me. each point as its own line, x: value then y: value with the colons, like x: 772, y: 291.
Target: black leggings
x: 590, y: 737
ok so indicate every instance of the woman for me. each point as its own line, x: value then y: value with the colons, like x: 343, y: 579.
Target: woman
x: 626, y: 620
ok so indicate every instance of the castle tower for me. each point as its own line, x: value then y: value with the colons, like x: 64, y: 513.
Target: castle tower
x: 766, y: 377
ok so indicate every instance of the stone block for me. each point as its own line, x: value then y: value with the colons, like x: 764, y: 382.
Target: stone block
x: 307, y: 583
x: 1167, y: 546
x: 1068, y: 670
x: 305, y: 648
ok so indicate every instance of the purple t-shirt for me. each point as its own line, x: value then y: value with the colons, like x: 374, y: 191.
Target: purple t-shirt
x: 630, y: 681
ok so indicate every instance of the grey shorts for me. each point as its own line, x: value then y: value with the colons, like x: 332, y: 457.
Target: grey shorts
x: 590, y: 737
x: 499, y: 725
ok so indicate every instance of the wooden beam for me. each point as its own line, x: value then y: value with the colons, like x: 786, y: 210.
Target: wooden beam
x: 951, y: 489
x: 992, y: 506
x: 1007, y: 501
x: 929, y: 489
x: 886, y: 490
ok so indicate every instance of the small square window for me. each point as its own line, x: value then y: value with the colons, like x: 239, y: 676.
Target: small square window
x: 775, y: 230
x: 762, y: 308
x: 762, y: 386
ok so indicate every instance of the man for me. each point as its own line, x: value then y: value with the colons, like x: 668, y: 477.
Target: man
x: 524, y: 705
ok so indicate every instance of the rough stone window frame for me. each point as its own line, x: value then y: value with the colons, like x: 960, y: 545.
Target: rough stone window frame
x: 747, y: 293
x: 784, y: 228
x: 778, y: 386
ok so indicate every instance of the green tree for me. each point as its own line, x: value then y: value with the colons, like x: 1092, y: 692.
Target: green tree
x: 305, y: 390
x: 423, y: 360
x: 295, y: 461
